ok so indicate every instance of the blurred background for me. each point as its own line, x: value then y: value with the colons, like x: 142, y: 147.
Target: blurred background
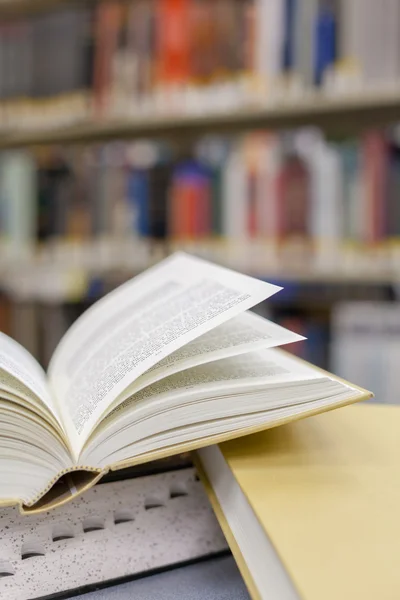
x: 261, y: 134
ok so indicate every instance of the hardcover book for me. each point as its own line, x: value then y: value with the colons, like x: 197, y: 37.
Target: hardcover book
x: 168, y: 362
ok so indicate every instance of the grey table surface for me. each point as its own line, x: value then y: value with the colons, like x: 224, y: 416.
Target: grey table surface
x: 214, y: 579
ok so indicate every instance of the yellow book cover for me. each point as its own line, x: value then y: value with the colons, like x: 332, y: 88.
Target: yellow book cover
x: 311, y: 509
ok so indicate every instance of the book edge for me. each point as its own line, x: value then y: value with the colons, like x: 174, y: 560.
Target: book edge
x: 237, y: 554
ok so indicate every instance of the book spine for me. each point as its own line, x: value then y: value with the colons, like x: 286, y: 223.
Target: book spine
x: 374, y: 155
x: 234, y: 196
x: 139, y: 201
x: 393, y: 211
x: 288, y: 50
x: 216, y: 192
x: 294, y: 198
x: 275, y: 36
x: 107, y: 26
x: 172, y: 41
x: 251, y: 186
x: 266, y: 187
x: 159, y: 186
x: 325, y: 41
x: 305, y: 41
x: 119, y: 59
x: 18, y: 193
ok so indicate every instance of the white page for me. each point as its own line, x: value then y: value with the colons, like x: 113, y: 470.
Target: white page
x: 136, y: 326
x: 260, y: 380
x: 19, y: 363
x: 256, y: 371
x: 242, y: 334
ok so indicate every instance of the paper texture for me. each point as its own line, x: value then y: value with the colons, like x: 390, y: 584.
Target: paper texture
x: 138, y: 325
x: 195, y: 402
x: 244, y: 333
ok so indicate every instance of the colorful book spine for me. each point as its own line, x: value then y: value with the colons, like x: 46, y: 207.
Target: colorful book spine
x: 285, y: 190
x: 18, y: 184
x: 173, y: 42
x: 288, y: 49
x: 325, y: 41
x: 138, y: 198
x: 130, y: 57
x: 107, y: 25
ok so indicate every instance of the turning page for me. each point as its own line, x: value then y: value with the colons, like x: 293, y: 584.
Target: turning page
x: 242, y: 334
x: 136, y: 326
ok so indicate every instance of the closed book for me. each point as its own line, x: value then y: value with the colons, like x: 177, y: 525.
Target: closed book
x: 310, y: 510
x: 108, y: 18
x: 294, y: 198
x: 305, y: 40
x: 60, y: 191
x: 375, y: 160
x: 267, y: 187
x: 173, y: 41
x: 142, y: 45
x: 234, y: 195
x: 326, y: 196
x: 189, y: 201
x: 100, y: 184
x: 138, y: 199
x: 325, y: 41
x: 18, y: 199
x: 350, y: 157
x: 216, y: 199
x: 159, y: 185
x: 364, y: 342
x: 288, y: 46
x: 393, y: 205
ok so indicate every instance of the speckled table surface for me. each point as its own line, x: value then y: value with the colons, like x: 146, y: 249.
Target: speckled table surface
x: 214, y: 579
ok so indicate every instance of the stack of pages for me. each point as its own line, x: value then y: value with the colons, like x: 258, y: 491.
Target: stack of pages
x: 168, y: 362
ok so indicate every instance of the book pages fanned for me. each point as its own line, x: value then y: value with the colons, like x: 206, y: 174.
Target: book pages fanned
x: 168, y: 362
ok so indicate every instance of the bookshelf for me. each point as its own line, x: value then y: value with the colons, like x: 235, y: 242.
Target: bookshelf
x: 341, y: 114
x: 343, y: 83
x: 10, y: 9
x: 137, y: 86
x: 73, y: 277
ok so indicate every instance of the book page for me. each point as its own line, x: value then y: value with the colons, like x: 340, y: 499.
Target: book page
x: 233, y: 375
x: 18, y: 363
x: 137, y: 326
x: 242, y: 334
x: 236, y: 386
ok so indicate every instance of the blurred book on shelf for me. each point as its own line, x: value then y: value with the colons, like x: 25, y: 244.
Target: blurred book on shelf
x: 297, y: 207
x: 366, y: 346
x: 314, y: 327
x: 114, y: 59
x: 292, y: 205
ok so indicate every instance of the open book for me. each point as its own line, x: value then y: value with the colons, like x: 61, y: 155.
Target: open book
x: 166, y: 363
